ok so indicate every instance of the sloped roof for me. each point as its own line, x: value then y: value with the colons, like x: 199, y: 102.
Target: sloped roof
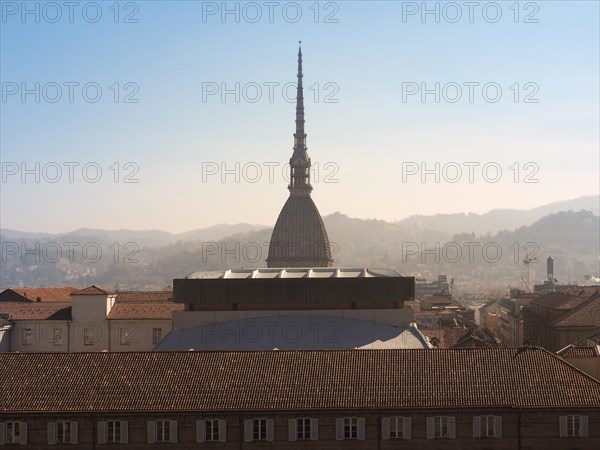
x: 586, y: 314
x: 567, y: 298
x: 36, y: 310
x: 290, y: 380
x: 143, y: 310
x: 144, y: 296
x: 44, y: 294
x: 574, y: 351
x: 93, y: 290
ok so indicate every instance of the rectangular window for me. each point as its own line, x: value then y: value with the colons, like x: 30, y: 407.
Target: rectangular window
x: 441, y: 426
x: 350, y: 427
x: 303, y: 428
x: 113, y: 431
x: 259, y: 429
x: 26, y: 336
x: 63, y: 432
x: 13, y: 432
x: 156, y: 335
x: 487, y: 426
x: 573, y: 425
x: 212, y: 430
x: 397, y: 427
x: 88, y: 336
x: 57, y: 337
x: 124, y: 336
x: 163, y: 431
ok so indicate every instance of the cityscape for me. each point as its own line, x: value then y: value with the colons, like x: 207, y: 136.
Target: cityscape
x: 353, y: 225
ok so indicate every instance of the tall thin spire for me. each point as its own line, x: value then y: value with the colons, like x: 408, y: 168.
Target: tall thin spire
x: 300, y: 162
x: 299, y: 237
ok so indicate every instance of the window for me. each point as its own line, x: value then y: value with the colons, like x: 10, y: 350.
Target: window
x: 57, y: 336
x: 163, y: 431
x: 259, y: 429
x: 573, y: 425
x: 124, y: 336
x: 212, y: 429
x: 441, y: 427
x: 303, y: 429
x: 397, y: 427
x: 156, y: 335
x: 350, y: 427
x: 113, y: 431
x: 13, y: 432
x: 63, y: 432
x: 88, y: 336
x: 487, y: 426
x: 26, y: 336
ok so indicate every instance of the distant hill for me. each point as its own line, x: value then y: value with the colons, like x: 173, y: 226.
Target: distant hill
x: 498, y: 219
x: 476, y: 260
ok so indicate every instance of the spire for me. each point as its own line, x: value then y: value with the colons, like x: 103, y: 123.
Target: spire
x: 300, y: 162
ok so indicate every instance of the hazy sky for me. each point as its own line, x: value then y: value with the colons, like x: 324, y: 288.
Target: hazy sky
x: 134, y: 89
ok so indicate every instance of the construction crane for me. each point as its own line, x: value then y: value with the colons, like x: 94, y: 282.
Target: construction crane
x: 527, y: 260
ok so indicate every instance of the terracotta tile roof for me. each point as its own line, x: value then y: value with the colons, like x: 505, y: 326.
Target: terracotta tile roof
x: 93, y: 290
x: 568, y: 298
x: 45, y: 294
x: 144, y: 296
x: 291, y: 380
x: 36, y: 311
x: 573, y: 351
x: 144, y: 310
x: 586, y: 314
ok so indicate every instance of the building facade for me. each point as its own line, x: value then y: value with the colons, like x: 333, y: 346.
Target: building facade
x: 299, y: 399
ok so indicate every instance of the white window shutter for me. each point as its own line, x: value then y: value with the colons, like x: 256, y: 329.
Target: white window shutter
x: 51, y: 433
x: 270, y: 430
x: 477, y: 426
x: 451, y: 427
x: 406, y: 430
x: 173, y: 430
x: 430, y: 428
x: 74, y: 432
x: 102, y: 432
x: 562, y: 426
x: 583, y: 431
x: 248, y: 430
x: 151, y: 432
x: 1, y: 433
x: 292, y: 429
x: 361, y: 429
x: 124, y: 432
x: 497, y: 427
x: 339, y: 429
x: 385, y: 428
x: 23, y: 426
x: 201, y: 431
x: 222, y: 430
x: 314, y: 429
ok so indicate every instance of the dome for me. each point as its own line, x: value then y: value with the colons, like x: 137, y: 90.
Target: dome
x: 299, y: 238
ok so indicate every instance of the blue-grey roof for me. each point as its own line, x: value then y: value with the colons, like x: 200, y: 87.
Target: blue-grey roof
x: 294, y: 332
